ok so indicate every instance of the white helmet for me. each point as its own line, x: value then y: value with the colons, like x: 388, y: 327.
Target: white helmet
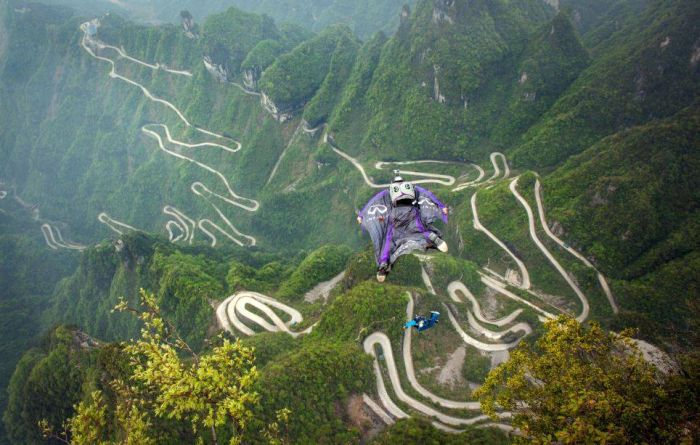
x: 399, y: 189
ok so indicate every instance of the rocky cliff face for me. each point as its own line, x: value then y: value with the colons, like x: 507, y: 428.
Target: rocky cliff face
x: 279, y: 114
x: 442, y: 10
x: 188, y: 24
x: 217, y: 71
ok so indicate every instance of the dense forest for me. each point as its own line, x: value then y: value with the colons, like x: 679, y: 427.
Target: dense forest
x: 217, y: 159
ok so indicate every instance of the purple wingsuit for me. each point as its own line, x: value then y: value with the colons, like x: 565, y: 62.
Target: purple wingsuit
x: 405, y: 227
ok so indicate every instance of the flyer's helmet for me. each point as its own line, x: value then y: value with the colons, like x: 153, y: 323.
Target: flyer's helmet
x: 400, y: 189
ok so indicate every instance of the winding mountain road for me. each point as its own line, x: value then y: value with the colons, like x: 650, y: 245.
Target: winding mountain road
x: 233, y: 314
x: 432, y: 178
x: 410, y: 372
x: 185, y: 224
x: 585, y: 308
x: 475, y: 314
x: 233, y: 199
x: 122, y: 53
x: 524, y: 274
x: 501, y: 289
x: 238, y: 311
x: 57, y: 242
x: 227, y: 313
x: 380, y: 339
x: 457, y: 286
x: 153, y: 131
x: 116, y: 226
x: 496, y: 170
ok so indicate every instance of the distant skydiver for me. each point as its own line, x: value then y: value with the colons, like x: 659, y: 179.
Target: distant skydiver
x: 400, y: 221
x: 421, y: 323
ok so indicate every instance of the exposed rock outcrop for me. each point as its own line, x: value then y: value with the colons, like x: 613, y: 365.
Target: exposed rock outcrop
x: 441, y: 11
x: 188, y: 24
x: 695, y: 55
x: 218, y: 71
x: 83, y: 341
x: 273, y: 109
x: 251, y: 77
x: 405, y: 14
x: 437, y: 95
x: 553, y: 3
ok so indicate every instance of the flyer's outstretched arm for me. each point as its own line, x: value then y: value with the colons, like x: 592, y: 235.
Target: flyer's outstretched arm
x: 431, y: 208
x: 374, y: 218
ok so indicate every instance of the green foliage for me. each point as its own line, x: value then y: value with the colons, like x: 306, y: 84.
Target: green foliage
x: 589, y: 17
x: 419, y: 431
x: 243, y: 277
x: 610, y: 393
x: 638, y: 227
x: 320, y: 376
x: 262, y: 55
x: 476, y: 366
x: 265, y: 52
x: 445, y: 269
x: 186, y: 287
x: 365, y: 308
x: 352, y: 101
x: 87, y: 297
x: 186, y: 281
x: 633, y: 80
x: 447, y: 117
x: 362, y: 266
x: 47, y: 382
x: 641, y: 197
x: 445, y: 86
x: 296, y: 76
x: 268, y: 346
x: 321, y: 105
x: 365, y: 17
x: 213, y: 391
x: 320, y: 265
x: 28, y: 274
x: 552, y: 60
x: 228, y: 37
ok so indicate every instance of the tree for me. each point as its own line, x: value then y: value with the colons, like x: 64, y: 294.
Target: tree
x: 206, y: 395
x: 581, y: 384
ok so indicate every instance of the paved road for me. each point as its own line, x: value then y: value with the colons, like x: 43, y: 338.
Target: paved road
x: 524, y: 275
x: 433, y: 178
x: 56, y: 241
x: 380, y: 339
x: 235, y: 307
x: 501, y: 288
x: 233, y: 314
x: 410, y: 372
x: 585, y: 308
x: 117, y: 226
x: 155, y: 67
x: 476, y: 314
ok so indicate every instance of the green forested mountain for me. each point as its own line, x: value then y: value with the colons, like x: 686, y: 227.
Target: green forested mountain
x: 28, y: 275
x: 363, y: 17
x: 562, y: 135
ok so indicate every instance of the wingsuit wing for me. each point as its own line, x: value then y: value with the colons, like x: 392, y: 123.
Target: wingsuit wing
x: 375, y: 220
x: 431, y: 208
